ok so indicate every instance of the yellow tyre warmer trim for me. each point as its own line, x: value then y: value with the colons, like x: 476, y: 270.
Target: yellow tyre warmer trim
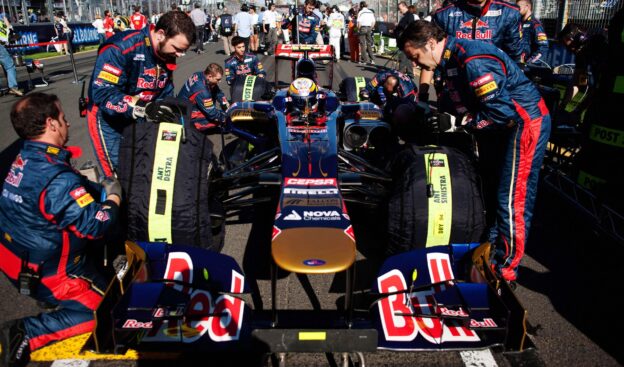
x: 618, y: 86
x: 607, y: 136
x: 441, y: 203
x: 360, y: 83
x: 70, y: 348
x: 163, y: 181
x: 248, y: 88
x: 312, y: 335
x: 589, y: 181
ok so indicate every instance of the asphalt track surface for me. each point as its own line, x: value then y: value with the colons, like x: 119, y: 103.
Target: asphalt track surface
x: 569, y: 279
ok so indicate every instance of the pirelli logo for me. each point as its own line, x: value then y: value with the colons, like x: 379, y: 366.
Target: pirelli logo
x: 104, y: 75
x: 486, y: 88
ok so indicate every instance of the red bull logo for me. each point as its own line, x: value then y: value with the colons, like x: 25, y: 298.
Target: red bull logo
x: 150, y: 72
x: 19, y: 163
x: 477, y: 23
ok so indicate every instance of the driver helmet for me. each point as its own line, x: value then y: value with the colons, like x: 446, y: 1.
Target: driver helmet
x: 303, y: 93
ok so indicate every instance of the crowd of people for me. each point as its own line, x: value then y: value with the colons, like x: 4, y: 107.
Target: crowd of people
x: 473, y: 52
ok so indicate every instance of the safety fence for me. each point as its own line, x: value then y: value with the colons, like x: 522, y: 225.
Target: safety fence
x: 593, y: 14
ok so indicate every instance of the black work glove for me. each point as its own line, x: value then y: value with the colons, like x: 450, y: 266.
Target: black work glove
x: 441, y: 122
x: 111, y: 186
x: 159, y: 112
x: 364, y: 95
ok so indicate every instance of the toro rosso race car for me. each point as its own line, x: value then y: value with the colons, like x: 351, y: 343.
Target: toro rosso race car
x: 313, y: 157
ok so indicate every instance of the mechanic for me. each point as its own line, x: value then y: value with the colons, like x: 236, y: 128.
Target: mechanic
x: 202, y: 89
x: 48, y: 214
x: 533, y: 35
x: 242, y: 63
x: 305, y: 25
x: 131, y: 70
x: 5, y: 58
x: 591, y: 60
x: 494, y: 96
x: 494, y: 21
x: 389, y: 87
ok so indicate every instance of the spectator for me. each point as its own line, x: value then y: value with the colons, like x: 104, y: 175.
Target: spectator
x: 405, y: 65
x: 269, y: 20
x: 48, y: 215
x: 336, y: 23
x: 5, y: 59
x: 225, y: 24
x: 243, y: 25
x: 98, y: 24
x: 199, y: 19
x: 253, y: 42
x: 352, y: 35
x: 62, y: 30
x: 32, y: 16
x: 109, y: 24
x: 366, y: 24
x: 138, y: 21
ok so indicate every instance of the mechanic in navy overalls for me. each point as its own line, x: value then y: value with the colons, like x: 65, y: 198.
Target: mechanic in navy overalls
x: 533, y: 35
x: 305, y: 25
x: 209, y: 102
x: 48, y: 214
x: 388, y: 89
x: 132, y: 69
x: 493, y: 21
x: 242, y: 63
x: 489, y: 91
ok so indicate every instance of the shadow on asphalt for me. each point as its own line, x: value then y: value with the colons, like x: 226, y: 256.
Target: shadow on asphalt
x: 583, y: 281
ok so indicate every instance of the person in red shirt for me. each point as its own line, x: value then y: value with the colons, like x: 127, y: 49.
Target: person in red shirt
x: 138, y: 20
x: 108, y: 24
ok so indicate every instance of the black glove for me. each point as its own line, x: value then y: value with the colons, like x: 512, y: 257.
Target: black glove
x: 159, y: 112
x: 423, y: 97
x: 111, y: 186
x: 441, y: 122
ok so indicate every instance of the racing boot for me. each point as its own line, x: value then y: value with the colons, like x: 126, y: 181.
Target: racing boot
x: 15, y: 344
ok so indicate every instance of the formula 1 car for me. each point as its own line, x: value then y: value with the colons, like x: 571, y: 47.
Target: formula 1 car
x: 310, y: 165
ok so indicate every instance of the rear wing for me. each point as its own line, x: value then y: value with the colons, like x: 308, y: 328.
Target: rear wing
x: 298, y: 52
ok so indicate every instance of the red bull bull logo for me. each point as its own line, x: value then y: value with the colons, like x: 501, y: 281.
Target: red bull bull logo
x: 150, y: 72
x: 476, y: 25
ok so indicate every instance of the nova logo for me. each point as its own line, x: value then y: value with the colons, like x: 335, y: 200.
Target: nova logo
x: 321, y: 215
x: 293, y: 216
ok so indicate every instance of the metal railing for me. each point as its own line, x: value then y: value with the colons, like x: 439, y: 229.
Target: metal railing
x: 593, y: 14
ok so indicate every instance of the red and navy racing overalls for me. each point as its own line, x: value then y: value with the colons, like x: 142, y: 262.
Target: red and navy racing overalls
x: 497, y: 22
x: 487, y: 84
x: 48, y: 214
x: 127, y: 71
x: 248, y: 65
x: 205, y: 114
x: 304, y: 27
x: 534, y: 39
x: 404, y: 88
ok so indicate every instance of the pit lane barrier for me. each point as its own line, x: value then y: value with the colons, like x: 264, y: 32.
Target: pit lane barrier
x: 39, y: 44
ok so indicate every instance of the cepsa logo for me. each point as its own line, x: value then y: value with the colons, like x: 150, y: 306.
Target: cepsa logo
x: 222, y: 328
x: 397, y: 327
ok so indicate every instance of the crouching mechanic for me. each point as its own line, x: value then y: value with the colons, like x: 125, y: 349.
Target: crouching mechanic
x: 490, y: 91
x: 202, y: 90
x: 131, y: 70
x: 242, y: 63
x: 388, y: 89
x: 48, y: 212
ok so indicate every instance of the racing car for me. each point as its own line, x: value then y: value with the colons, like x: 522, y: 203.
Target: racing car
x: 314, y: 160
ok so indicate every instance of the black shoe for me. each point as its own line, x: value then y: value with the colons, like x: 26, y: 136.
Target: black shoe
x: 15, y: 347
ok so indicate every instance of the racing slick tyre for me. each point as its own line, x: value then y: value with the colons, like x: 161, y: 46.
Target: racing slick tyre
x: 250, y: 88
x: 351, y: 87
x: 165, y: 170
x: 435, y: 199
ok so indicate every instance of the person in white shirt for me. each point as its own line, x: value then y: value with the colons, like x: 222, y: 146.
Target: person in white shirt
x: 269, y: 20
x: 366, y: 24
x: 243, y: 25
x: 336, y: 23
x: 199, y: 19
x: 98, y: 24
